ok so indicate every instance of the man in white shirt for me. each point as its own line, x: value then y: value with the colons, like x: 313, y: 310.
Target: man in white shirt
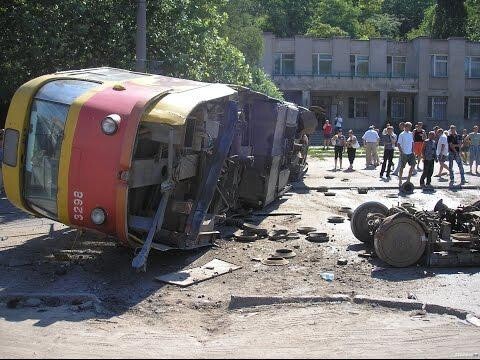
x: 405, y: 146
x: 338, y: 123
x: 370, y: 140
x: 442, y: 151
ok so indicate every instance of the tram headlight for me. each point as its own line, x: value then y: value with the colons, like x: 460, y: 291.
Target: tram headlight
x: 110, y: 124
x: 98, y: 216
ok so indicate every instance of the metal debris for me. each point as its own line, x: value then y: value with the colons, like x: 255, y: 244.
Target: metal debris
x: 285, y: 253
x: 336, y: 219
x: 403, y: 235
x: 210, y: 270
x: 278, y: 234
x: 306, y: 229
x: 329, y: 194
x: 275, y: 261
x: 319, y: 237
x: 342, y: 261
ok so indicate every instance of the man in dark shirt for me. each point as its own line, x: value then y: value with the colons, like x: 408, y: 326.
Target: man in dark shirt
x: 389, y: 143
x: 429, y: 157
x: 454, y: 154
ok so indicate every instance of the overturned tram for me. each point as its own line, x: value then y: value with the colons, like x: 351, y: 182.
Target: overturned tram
x: 148, y: 159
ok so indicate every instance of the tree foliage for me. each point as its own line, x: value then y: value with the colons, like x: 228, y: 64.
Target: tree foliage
x: 410, y: 13
x: 186, y: 37
x: 450, y: 19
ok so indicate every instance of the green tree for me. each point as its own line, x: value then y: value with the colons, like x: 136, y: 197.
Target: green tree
x: 409, y: 12
x: 426, y: 26
x: 450, y: 19
x: 287, y: 18
x: 473, y: 22
x: 184, y: 36
x: 338, y: 14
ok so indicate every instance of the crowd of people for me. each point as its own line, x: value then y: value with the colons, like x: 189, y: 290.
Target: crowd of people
x: 413, y: 147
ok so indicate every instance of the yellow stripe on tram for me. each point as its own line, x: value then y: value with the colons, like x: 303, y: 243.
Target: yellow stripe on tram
x: 18, y: 119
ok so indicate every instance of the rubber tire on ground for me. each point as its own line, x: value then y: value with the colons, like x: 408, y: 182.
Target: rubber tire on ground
x: 359, y: 223
x: 400, y: 241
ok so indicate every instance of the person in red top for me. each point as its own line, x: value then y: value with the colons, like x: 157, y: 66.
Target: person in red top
x: 419, y: 136
x: 327, y: 134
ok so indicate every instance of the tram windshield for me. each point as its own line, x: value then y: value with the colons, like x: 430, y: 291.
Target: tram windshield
x: 42, y: 156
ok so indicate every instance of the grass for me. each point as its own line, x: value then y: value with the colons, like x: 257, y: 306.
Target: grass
x: 319, y: 153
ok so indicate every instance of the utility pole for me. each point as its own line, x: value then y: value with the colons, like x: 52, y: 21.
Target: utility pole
x: 141, y: 40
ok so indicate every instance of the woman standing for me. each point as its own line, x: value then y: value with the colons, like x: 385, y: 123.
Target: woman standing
x: 465, y: 149
x: 352, y: 146
x: 339, y: 141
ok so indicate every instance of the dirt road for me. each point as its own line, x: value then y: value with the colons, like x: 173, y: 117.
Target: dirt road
x: 147, y: 318
x: 285, y: 332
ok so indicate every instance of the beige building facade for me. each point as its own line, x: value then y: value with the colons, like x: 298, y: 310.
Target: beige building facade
x: 377, y: 81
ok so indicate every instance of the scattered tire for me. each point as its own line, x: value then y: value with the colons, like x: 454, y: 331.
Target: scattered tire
x: 306, y: 229
x: 245, y: 237
x: 318, y: 237
x: 336, y: 219
x: 359, y: 223
x: 362, y: 190
x: 400, y: 241
x: 285, y: 253
x: 329, y: 177
x: 329, y: 194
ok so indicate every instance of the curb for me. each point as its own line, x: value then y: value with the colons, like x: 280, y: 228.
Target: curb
x: 49, y: 298
x: 239, y: 302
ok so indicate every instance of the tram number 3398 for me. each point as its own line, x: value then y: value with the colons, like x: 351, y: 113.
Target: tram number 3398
x: 78, y: 205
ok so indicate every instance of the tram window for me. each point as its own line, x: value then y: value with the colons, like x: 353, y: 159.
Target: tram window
x: 10, y: 145
x: 42, y: 157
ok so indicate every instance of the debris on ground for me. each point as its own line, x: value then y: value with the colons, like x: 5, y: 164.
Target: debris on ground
x: 210, y: 270
x: 402, y: 235
x: 319, y: 237
x: 473, y: 320
x: 342, y: 261
x: 327, y: 276
x: 275, y: 261
x: 285, y: 253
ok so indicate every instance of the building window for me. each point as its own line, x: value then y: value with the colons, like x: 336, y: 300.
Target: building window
x: 439, y: 65
x: 396, y: 66
x: 472, y: 67
x: 437, y: 107
x: 321, y: 64
x: 357, y: 107
x: 398, y: 108
x: 359, y: 65
x: 284, y: 64
x: 472, y: 108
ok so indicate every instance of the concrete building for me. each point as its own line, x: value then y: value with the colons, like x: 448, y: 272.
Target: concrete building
x: 378, y: 80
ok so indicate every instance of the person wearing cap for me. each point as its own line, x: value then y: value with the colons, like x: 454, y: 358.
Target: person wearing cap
x: 454, y: 154
x: 370, y: 140
x: 429, y: 155
x: 405, y: 146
